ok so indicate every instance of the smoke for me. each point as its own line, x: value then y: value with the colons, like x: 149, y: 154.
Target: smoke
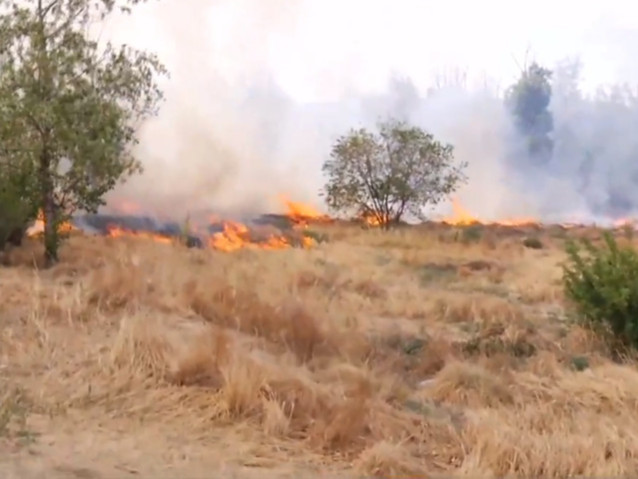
x: 597, y: 146
x: 235, y: 132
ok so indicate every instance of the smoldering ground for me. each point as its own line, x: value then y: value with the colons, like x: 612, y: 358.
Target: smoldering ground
x: 231, y: 138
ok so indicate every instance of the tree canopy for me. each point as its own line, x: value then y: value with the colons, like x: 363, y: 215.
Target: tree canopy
x: 70, y: 106
x: 385, y: 174
x: 529, y: 100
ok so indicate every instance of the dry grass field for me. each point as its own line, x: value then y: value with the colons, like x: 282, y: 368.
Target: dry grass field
x: 422, y: 352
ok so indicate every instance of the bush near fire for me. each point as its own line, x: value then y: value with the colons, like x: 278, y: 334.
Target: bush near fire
x: 382, y: 176
x: 68, y: 111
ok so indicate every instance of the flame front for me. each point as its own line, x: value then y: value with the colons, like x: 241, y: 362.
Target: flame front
x: 236, y: 236
x: 302, y: 214
x: 117, y: 232
x: 371, y: 219
x: 37, y: 228
x: 233, y: 236
x: 462, y: 217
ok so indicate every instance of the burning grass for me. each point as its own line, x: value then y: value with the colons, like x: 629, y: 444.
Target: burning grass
x: 387, y: 354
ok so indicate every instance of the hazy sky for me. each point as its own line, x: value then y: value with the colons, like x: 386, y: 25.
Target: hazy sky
x: 361, y: 41
x: 314, y: 48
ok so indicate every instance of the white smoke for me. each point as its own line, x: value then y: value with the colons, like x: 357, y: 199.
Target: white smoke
x: 260, y: 89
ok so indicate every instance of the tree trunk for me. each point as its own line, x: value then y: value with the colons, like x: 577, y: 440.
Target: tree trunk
x: 49, y: 216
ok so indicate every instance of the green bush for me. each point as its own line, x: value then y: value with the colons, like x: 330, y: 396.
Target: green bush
x: 602, y: 283
x: 469, y: 234
x: 533, y: 242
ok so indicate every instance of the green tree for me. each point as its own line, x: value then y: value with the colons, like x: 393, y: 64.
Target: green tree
x: 70, y: 106
x: 528, y: 100
x: 383, y: 175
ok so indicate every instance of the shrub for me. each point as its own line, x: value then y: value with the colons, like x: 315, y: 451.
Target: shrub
x: 472, y: 233
x: 16, y: 211
x: 602, y: 284
x: 533, y: 243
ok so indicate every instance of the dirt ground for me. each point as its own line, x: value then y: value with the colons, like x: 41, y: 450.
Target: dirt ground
x: 422, y: 352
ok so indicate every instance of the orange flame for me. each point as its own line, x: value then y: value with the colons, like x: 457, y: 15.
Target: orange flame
x: 233, y: 237
x: 301, y: 213
x: 37, y: 228
x: 117, y: 232
x: 462, y: 217
x: 236, y: 236
x: 371, y: 220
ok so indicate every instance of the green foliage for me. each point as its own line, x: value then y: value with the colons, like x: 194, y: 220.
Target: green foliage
x: 471, y: 234
x: 70, y: 106
x: 533, y: 242
x: 579, y: 363
x: 17, y: 206
x: 383, y: 175
x: 602, y: 283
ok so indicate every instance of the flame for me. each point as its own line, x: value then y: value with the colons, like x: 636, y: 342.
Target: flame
x: 233, y: 237
x: 371, y: 220
x: 301, y: 213
x: 117, y: 232
x: 236, y: 236
x: 37, y: 228
x: 462, y: 217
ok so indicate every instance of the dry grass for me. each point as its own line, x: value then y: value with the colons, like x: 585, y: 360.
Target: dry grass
x: 413, y: 353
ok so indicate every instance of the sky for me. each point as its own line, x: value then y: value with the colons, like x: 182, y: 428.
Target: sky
x: 233, y: 148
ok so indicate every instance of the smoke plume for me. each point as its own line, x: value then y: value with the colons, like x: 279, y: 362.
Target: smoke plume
x: 231, y: 138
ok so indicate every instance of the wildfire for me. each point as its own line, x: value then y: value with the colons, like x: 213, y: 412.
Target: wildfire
x: 236, y: 236
x: 232, y: 237
x: 462, y: 217
x: 301, y: 213
x: 370, y: 219
x: 117, y: 232
x: 37, y: 228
